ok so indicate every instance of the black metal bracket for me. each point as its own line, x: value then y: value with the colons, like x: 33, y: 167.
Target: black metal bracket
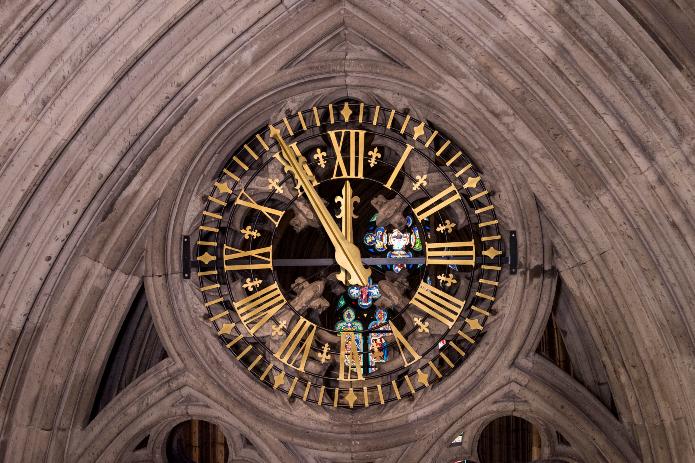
x: 186, y: 256
x: 513, y: 255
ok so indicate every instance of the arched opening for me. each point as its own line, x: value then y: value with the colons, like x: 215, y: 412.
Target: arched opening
x: 197, y: 441
x: 509, y: 439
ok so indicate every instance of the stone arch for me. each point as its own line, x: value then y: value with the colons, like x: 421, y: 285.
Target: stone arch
x: 570, y: 105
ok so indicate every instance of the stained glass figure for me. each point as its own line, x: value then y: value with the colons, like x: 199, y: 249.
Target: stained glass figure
x: 349, y: 324
x: 364, y: 295
x: 378, y: 344
x: 394, y: 242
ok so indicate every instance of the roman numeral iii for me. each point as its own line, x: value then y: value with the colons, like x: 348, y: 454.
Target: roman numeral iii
x: 461, y: 253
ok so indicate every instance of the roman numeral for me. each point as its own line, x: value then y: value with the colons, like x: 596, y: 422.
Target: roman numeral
x: 294, y: 351
x: 436, y: 203
x: 442, y: 306
x: 399, y: 166
x: 259, y: 307
x: 264, y: 254
x: 273, y: 215
x: 404, y: 346
x: 355, y: 153
x: 436, y: 253
x: 350, y: 360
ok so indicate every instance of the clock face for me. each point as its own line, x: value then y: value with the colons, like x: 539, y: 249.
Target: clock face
x: 349, y: 255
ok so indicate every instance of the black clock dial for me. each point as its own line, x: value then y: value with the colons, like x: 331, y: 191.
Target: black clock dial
x: 349, y: 255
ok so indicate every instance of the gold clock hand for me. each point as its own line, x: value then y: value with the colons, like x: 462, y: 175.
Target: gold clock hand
x: 346, y: 215
x: 347, y: 255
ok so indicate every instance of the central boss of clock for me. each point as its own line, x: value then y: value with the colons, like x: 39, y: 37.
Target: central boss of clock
x: 349, y: 255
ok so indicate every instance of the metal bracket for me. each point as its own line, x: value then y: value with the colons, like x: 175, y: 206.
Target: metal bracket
x: 513, y: 255
x: 186, y: 256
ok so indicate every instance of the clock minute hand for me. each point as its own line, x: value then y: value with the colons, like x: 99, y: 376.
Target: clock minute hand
x: 347, y: 255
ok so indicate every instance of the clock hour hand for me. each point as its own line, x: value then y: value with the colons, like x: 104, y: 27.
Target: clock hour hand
x: 347, y: 255
x: 347, y: 203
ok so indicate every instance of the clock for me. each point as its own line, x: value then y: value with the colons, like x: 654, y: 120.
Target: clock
x: 348, y: 255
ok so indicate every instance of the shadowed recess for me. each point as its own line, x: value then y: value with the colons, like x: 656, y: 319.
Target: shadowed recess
x: 136, y: 350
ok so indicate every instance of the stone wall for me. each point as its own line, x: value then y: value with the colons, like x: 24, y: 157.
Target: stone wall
x: 114, y: 115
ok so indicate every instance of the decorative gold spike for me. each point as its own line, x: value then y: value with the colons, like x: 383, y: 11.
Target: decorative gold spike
x: 474, y: 324
x: 423, y: 378
x: 350, y: 397
x: 418, y: 130
x: 472, y: 182
x: 222, y: 187
x: 346, y: 112
x: 279, y: 380
x: 491, y: 252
